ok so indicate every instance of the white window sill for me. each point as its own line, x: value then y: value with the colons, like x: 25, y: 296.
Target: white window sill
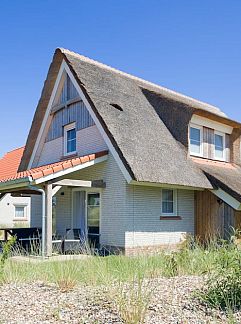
x: 70, y: 153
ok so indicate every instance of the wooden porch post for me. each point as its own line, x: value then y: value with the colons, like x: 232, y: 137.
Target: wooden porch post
x: 49, y: 219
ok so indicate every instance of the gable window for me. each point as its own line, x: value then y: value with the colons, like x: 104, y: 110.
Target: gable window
x: 69, y: 139
x: 20, y: 212
x: 169, y: 202
x: 219, y: 142
x: 196, y: 140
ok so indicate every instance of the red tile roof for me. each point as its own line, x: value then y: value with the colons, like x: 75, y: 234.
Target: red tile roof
x: 9, y: 163
x: 41, y: 171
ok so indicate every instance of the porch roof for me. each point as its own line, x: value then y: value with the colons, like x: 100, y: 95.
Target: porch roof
x: 57, y: 169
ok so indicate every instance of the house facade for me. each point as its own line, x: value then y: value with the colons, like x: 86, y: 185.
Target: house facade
x: 16, y: 209
x: 131, y: 165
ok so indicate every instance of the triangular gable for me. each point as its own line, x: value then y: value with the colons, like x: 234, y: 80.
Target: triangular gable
x: 64, y: 88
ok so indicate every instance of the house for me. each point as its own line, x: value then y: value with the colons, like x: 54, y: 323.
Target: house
x: 15, y: 210
x: 132, y: 165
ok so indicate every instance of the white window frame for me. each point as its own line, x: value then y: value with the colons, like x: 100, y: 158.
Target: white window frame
x: 174, y: 203
x: 16, y: 218
x: 66, y: 129
x: 201, y: 140
x: 224, y: 146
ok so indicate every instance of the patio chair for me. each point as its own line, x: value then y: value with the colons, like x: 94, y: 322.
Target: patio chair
x: 72, y: 241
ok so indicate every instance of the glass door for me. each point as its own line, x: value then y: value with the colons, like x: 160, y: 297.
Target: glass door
x: 93, y: 217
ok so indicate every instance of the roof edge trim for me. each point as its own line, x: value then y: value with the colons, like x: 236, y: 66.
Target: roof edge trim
x: 17, y: 183
x: 228, y: 199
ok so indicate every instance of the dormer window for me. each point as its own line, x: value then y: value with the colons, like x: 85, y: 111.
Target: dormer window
x: 69, y: 139
x: 196, y: 140
x: 219, y: 142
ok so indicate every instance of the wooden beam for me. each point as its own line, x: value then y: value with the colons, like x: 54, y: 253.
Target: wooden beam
x: 65, y: 105
x: 49, y: 196
x: 81, y: 183
x: 55, y: 190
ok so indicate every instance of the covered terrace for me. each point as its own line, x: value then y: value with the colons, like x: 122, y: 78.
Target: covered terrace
x: 46, y: 181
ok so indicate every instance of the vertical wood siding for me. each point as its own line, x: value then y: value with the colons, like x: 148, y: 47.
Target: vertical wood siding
x: 76, y: 112
x: 68, y: 92
x: 213, y: 217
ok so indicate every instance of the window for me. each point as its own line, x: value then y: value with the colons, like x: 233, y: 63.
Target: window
x: 69, y: 139
x: 20, y: 212
x: 219, y: 142
x: 169, y: 202
x: 196, y: 133
x: 93, y: 213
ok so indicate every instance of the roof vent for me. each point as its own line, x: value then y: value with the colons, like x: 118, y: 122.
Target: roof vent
x: 116, y: 106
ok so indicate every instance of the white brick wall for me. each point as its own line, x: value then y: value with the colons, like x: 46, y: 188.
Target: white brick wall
x: 130, y: 215
x: 7, y: 210
x: 88, y: 141
x: 145, y: 216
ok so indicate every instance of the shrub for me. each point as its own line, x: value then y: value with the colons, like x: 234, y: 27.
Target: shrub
x: 6, y: 250
x: 223, y: 287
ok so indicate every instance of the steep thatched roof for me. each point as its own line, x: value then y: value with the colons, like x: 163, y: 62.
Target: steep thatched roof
x: 146, y: 146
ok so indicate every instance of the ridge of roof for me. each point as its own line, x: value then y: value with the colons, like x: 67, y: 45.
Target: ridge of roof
x: 165, y: 91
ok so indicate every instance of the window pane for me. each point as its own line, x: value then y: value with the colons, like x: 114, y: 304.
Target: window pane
x: 195, y: 134
x: 167, y: 195
x: 195, y: 140
x: 71, y: 140
x: 218, y: 141
x: 71, y: 134
x: 219, y: 146
x: 94, y: 199
x: 19, y: 211
x: 71, y: 146
x: 167, y: 207
x: 93, y: 216
x: 195, y: 148
x: 167, y: 201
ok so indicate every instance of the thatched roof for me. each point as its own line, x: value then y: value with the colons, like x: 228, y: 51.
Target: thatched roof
x: 141, y: 138
x: 222, y: 175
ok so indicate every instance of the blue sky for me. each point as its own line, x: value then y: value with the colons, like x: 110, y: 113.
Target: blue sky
x: 193, y: 47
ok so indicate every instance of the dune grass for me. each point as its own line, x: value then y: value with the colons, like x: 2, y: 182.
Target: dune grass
x: 98, y: 270
x: 127, y: 277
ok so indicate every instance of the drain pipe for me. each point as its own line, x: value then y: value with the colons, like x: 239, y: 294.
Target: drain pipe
x: 43, y: 216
